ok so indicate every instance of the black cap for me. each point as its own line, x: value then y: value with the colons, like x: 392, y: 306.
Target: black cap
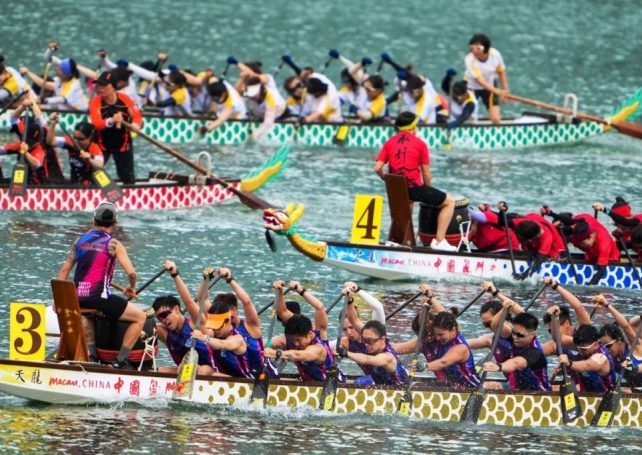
x: 106, y: 78
x: 106, y: 212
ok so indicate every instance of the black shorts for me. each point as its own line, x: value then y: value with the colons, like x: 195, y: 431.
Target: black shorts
x: 112, y: 307
x: 427, y: 194
x: 489, y: 99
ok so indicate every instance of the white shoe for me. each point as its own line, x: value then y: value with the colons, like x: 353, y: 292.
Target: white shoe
x: 442, y: 246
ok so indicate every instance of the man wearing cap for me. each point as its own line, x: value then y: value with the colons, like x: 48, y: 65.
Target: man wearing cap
x: 265, y: 102
x: 107, y: 110
x: 95, y: 254
x: 409, y: 156
x: 68, y: 94
x: 227, y: 344
x: 175, y: 330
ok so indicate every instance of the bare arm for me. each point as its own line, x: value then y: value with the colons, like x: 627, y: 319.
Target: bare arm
x: 621, y: 320
x: 405, y: 347
x: 225, y: 114
x: 252, y: 321
x: 234, y: 343
x: 457, y: 354
x: 384, y: 359
x: 426, y: 174
x: 320, y: 316
x: 123, y: 259
x: 281, y: 310
x: 70, y: 260
x: 378, y: 168
x: 581, y: 314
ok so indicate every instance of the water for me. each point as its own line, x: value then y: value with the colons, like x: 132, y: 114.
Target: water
x: 589, y: 48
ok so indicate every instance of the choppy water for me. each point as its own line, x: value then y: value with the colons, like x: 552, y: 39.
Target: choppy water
x: 587, y: 47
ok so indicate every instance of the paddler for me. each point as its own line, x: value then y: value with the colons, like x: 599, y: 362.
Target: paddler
x: 95, y: 255
x: 175, y: 330
x: 408, y: 155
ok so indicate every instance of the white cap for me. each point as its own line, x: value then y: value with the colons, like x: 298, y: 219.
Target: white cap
x: 252, y: 90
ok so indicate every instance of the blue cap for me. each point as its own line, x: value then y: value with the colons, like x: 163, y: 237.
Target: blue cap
x: 65, y: 67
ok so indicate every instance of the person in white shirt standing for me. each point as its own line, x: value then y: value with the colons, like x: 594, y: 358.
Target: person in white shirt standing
x: 484, y: 67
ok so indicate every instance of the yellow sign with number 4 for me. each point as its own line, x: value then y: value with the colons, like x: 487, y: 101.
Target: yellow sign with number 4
x: 26, y: 331
x: 366, y: 220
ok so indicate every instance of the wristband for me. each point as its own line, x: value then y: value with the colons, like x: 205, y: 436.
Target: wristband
x: 278, y: 353
x: 174, y: 275
x: 230, y: 279
x: 495, y: 292
x: 554, y: 287
x: 302, y: 291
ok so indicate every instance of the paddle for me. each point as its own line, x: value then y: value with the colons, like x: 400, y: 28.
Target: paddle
x: 18, y: 185
x: 11, y: 103
x: 261, y: 385
x: 537, y: 294
x: 570, y: 256
x: 329, y: 392
x: 103, y: 181
x: 246, y: 198
x: 610, y: 403
x: 144, y: 285
x: 624, y: 248
x: 404, y: 305
x: 262, y: 310
x: 477, y: 297
x: 569, y: 400
x: 503, y: 208
x: 45, y: 75
x: 327, y: 310
x: 405, y: 404
x: 475, y: 401
x: 186, y: 374
x: 630, y: 129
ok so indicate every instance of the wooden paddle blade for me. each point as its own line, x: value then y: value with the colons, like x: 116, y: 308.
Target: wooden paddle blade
x: 628, y: 128
x: 18, y: 185
x: 260, y: 388
x: 473, y: 406
x: 113, y: 193
x: 186, y: 375
x: 571, y: 406
x: 405, y: 404
x: 609, y: 406
x: 329, y: 392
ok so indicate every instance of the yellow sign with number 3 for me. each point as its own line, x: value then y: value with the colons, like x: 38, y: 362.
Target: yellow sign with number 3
x: 26, y: 331
x: 366, y: 220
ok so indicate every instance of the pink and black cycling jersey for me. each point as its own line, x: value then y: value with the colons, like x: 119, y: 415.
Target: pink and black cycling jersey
x: 458, y: 375
x: 94, y: 265
x: 179, y: 343
x: 231, y: 364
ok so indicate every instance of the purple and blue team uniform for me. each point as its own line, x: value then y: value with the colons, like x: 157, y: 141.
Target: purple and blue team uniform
x: 227, y: 362
x: 590, y: 381
x: 178, y: 344
x: 311, y: 371
x: 380, y: 376
x: 459, y: 375
x: 95, y: 266
x: 530, y: 378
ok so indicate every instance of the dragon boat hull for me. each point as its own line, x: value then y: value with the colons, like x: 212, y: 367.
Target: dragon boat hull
x: 86, y: 383
x: 160, y: 191
x: 525, y: 131
x: 399, y: 262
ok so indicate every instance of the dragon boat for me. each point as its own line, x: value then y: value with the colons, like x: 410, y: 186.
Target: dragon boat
x: 530, y: 129
x: 76, y: 383
x: 161, y: 190
x: 402, y: 259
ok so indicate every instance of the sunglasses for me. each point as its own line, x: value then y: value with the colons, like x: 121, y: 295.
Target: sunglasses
x: 584, y: 348
x: 163, y: 315
x: 516, y: 334
x: 609, y: 344
x: 370, y: 341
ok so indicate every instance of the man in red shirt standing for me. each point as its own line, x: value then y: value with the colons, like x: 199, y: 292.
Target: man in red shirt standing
x: 107, y: 111
x: 408, y: 155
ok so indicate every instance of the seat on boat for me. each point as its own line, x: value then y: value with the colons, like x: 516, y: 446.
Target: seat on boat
x: 73, y: 337
x: 400, y: 205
